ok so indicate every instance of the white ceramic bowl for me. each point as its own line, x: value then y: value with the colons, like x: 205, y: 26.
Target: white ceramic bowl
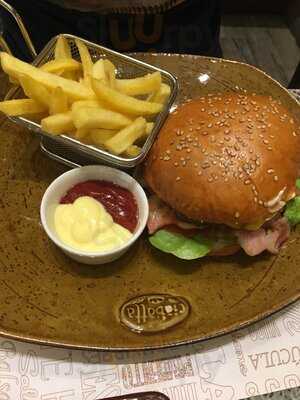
x: 66, y: 181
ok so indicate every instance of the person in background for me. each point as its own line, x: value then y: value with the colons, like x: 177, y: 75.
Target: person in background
x: 170, y: 26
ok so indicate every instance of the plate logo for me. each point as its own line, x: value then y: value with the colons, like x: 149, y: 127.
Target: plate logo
x: 154, y: 312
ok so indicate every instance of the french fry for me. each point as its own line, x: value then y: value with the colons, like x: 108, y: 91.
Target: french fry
x: 161, y: 95
x: 98, y: 71
x: 21, y: 107
x: 143, y: 85
x: 75, y: 91
x: 35, y: 90
x: 110, y: 71
x: 63, y: 52
x: 132, y: 151
x: 86, y: 100
x: 91, y: 117
x: 61, y: 66
x: 62, y: 49
x: 120, y: 142
x: 58, y: 102
x: 81, y: 133
x: 149, y: 128
x: 86, y: 103
x: 100, y: 136
x: 58, y: 124
x: 123, y: 103
x: 87, y: 63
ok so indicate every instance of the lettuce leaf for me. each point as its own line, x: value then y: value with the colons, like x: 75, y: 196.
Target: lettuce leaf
x: 180, y: 245
x: 292, y: 211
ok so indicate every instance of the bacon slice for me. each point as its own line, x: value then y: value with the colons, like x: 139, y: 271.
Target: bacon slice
x: 270, y: 238
x: 161, y: 215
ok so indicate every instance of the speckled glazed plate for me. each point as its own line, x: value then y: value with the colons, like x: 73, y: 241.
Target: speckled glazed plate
x: 47, y: 298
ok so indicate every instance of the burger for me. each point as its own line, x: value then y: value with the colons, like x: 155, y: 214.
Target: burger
x: 223, y: 176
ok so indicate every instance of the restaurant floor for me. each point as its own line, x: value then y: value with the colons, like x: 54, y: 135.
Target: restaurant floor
x: 261, y: 40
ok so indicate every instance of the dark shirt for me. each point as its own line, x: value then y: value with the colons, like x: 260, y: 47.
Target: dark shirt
x: 191, y: 27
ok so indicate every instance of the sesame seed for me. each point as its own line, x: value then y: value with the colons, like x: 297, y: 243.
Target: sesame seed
x: 202, y: 109
x: 210, y: 179
x: 199, y: 172
x: 166, y: 158
x: 227, y: 131
x: 176, y: 164
x: 265, y: 141
x: 260, y: 202
x: 255, y: 199
x: 195, y: 164
x: 209, y: 125
x: 270, y: 171
x: 205, y: 165
x: 294, y: 134
x: 168, y: 151
x: 237, y: 214
x: 269, y: 148
x: 204, y: 133
x: 275, y: 178
x: 178, y: 178
x: 247, y: 182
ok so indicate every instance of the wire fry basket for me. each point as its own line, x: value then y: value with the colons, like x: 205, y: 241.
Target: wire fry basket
x: 69, y: 150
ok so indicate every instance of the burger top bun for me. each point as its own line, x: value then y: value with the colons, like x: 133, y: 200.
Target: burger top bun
x: 226, y: 158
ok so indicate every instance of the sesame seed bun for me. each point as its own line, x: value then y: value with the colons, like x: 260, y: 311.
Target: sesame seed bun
x: 228, y: 159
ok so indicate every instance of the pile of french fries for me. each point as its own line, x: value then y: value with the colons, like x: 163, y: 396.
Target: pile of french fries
x: 86, y: 100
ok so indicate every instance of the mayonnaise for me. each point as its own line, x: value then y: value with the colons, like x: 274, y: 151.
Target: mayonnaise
x: 86, y: 225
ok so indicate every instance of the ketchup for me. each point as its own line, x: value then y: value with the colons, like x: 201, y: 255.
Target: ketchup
x: 118, y: 202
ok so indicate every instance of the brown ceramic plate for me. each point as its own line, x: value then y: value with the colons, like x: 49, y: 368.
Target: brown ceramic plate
x: 47, y: 298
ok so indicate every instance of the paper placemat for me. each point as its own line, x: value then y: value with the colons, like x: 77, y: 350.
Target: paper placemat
x: 260, y: 359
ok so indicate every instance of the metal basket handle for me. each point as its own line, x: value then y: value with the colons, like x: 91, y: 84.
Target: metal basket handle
x: 22, y: 28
